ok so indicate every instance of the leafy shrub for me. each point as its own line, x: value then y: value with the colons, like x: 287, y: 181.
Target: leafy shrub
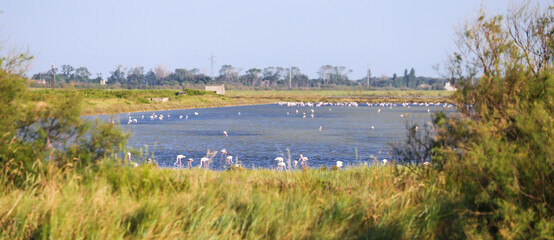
x: 39, y: 130
x: 498, y: 150
x: 194, y: 92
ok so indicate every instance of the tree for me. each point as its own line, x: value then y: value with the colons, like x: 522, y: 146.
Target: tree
x: 412, y: 80
x: 253, y: 75
x: 498, y: 149
x: 41, y: 138
x: 161, y: 73
x: 396, y: 81
x: 368, y: 77
x: 98, y: 78
x: 271, y: 74
x: 82, y: 74
x: 325, y: 73
x: 67, y: 72
x: 405, y: 79
x: 117, y: 76
x: 228, y: 73
x: 150, y: 78
x: 135, y: 76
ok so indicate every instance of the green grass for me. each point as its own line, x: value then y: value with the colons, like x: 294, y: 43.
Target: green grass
x: 340, y: 93
x: 110, y: 202
x: 122, y: 100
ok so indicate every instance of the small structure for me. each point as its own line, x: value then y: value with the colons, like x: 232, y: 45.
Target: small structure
x: 102, y: 82
x: 159, y: 99
x: 449, y: 87
x: 424, y: 87
x: 38, y: 81
x: 218, y: 89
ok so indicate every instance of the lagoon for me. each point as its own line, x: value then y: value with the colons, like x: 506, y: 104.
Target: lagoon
x: 260, y: 133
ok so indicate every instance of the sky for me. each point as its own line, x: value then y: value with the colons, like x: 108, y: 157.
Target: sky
x: 386, y: 36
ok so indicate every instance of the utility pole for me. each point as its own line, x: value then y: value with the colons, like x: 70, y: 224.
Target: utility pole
x: 368, y: 74
x: 290, y: 76
x: 212, y: 60
x: 53, y: 82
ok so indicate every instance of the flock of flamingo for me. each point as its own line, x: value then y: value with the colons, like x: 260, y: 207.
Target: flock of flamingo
x: 281, y: 165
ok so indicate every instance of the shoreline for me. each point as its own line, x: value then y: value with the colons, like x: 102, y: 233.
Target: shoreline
x: 124, y: 106
x: 176, y: 109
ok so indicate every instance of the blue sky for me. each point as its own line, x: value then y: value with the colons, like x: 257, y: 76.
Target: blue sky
x: 388, y: 35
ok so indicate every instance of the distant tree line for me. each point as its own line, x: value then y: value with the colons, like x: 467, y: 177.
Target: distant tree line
x: 269, y: 77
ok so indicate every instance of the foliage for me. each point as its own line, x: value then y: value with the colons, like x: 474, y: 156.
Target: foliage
x: 195, y: 92
x: 47, y: 130
x: 499, y: 149
x: 329, y: 77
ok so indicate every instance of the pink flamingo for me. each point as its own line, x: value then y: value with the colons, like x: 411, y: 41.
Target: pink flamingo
x: 281, y: 166
x: 303, y: 161
x: 223, y: 152
x: 204, y: 161
x: 179, y: 157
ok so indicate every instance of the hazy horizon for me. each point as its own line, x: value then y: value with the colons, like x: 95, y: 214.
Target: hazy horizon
x: 388, y: 36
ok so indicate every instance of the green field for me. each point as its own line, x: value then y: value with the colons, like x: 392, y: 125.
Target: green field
x: 119, y: 101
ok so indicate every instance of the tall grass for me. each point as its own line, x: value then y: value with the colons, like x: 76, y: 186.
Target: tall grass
x: 107, y: 201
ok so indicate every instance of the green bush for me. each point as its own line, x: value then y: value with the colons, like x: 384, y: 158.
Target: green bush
x: 40, y: 130
x: 499, y: 149
x: 194, y: 92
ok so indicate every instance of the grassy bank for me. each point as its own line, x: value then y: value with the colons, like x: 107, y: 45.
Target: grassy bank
x: 109, y: 202
x: 119, y: 101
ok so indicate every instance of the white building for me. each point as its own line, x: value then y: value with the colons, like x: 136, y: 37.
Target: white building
x: 449, y: 87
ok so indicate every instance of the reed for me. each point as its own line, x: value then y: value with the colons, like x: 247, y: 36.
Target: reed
x: 108, y: 201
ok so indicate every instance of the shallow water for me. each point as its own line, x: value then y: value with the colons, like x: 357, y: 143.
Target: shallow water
x: 263, y: 132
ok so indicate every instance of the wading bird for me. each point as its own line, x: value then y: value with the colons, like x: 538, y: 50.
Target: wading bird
x: 303, y: 161
x: 225, y: 134
x: 223, y: 152
x: 339, y: 164
x: 129, y: 159
x: 281, y: 166
x: 190, y: 160
x: 229, y: 160
x: 179, y: 157
x: 204, y: 161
